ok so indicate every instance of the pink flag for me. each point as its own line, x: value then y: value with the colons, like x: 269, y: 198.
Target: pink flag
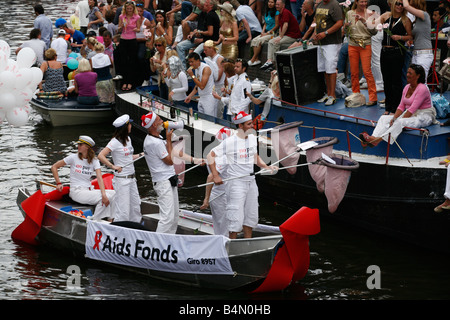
x: 285, y: 139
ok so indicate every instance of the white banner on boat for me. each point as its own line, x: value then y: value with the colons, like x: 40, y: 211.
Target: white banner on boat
x: 157, y: 251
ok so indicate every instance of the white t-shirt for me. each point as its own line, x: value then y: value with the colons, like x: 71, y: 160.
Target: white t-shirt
x: 246, y: 12
x: 122, y: 155
x: 155, y: 150
x: 61, y: 46
x: 81, y: 171
x: 240, y: 155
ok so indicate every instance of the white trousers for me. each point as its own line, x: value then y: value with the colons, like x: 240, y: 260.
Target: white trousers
x: 382, y: 129
x: 127, y: 202
x: 208, y: 105
x: 376, y: 53
x: 218, y: 203
x: 447, y: 184
x: 168, y: 206
x: 242, y: 204
x: 94, y: 197
x: 423, y: 59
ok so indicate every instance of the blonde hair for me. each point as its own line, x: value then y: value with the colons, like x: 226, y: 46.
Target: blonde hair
x: 419, y: 4
x: 99, y: 47
x: 161, y: 40
x: 84, y: 66
x: 274, y: 85
x: 50, y: 54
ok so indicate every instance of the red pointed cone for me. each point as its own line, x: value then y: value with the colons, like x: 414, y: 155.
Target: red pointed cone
x: 34, y: 208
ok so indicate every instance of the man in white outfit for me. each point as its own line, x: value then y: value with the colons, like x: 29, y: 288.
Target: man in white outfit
x: 203, y: 78
x: 241, y: 154
x: 158, y: 154
x: 214, y: 61
x: 61, y: 46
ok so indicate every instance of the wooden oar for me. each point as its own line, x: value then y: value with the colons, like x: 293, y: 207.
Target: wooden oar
x: 47, y: 184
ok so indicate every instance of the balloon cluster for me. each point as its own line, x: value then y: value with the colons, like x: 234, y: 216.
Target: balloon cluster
x: 18, y: 82
x: 72, y: 63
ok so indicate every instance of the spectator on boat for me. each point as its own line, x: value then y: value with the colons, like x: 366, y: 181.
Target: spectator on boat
x: 53, y: 74
x: 81, y: 189
x: 158, y: 154
x: 111, y: 27
x: 129, y: 24
x: 308, y: 14
x: 43, y: 23
x: 109, y: 46
x: 289, y: 33
x: 127, y: 202
x: 360, y: 48
x: 83, y: 12
x: 101, y: 64
x: 158, y: 65
x: 87, y: 50
x: 269, y: 29
x: 439, y: 18
x: 215, y: 195
x: 272, y: 91
x: 143, y: 38
x: 176, y: 80
x: 238, y: 100
x: 415, y: 110
x: 203, y: 78
x: 215, y: 62
x: 61, y: 45
x: 95, y: 17
x: 208, y: 29
x: 85, y: 83
x: 251, y: 27
x: 446, y: 204
x: 77, y: 37
x: 423, y: 49
x: 190, y: 23
x: 36, y: 44
x: 229, y: 32
x: 329, y: 21
x: 393, y: 53
x: 241, y: 155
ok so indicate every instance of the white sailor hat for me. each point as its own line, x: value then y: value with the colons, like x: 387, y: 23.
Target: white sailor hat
x: 223, y: 133
x: 242, y: 117
x: 86, y: 140
x: 148, y: 119
x: 122, y: 120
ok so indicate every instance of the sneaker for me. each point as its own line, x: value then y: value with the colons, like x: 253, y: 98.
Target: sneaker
x: 145, y: 83
x: 118, y: 77
x: 363, y: 80
x: 330, y: 101
x: 251, y: 64
x: 323, y: 99
x: 269, y: 69
x: 363, y: 85
x: 266, y: 65
x: 380, y: 87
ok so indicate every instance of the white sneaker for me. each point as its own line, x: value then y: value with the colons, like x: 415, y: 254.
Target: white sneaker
x: 380, y: 88
x: 363, y: 80
x: 323, y: 99
x: 330, y: 101
x: 250, y: 63
x: 118, y: 77
x: 145, y: 83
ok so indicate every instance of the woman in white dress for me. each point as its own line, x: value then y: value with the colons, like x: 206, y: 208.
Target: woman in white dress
x: 128, y: 203
x: 83, y: 165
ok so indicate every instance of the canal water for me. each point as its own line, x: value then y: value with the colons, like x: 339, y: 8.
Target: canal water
x: 342, y: 258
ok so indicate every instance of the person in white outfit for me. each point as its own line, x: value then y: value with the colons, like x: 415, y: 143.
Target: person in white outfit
x: 215, y: 195
x: 203, y: 78
x: 83, y: 165
x: 61, y: 45
x: 241, y: 155
x: 127, y: 202
x: 215, y: 62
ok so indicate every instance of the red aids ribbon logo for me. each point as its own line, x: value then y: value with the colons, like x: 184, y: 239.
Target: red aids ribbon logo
x: 98, y: 237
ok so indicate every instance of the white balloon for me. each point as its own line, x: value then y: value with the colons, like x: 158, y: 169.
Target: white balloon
x: 26, y: 58
x: 17, y: 117
x: 7, y: 81
x: 23, y: 97
x: 24, y: 78
x: 4, y: 47
x: 2, y: 116
x: 3, y: 61
x: 7, y: 101
x: 12, y: 66
x: 37, y: 75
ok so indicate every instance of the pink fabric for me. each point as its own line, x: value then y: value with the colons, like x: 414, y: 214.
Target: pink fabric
x: 128, y: 26
x: 285, y: 143
x: 336, y: 181
x: 318, y: 172
x: 178, y: 164
x: 420, y: 99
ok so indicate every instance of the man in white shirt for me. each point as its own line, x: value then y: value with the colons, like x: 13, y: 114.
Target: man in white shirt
x: 252, y: 27
x: 238, y: 100
x: 204, y: 84
x: 241, y: 154
x: 61, y: 46
x: 36, y: 44
x: 83, y: 11
x: 158, y: 154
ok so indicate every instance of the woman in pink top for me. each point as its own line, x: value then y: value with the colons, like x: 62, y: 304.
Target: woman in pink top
x: 129, y: 24
x: 415, y: 110
x: 85, y: 82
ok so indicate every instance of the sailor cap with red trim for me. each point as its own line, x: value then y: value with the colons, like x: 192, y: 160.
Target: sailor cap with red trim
x: 242, y: 117
x: 223, y: 133
x: 148, y: 119
x: 86, y: 140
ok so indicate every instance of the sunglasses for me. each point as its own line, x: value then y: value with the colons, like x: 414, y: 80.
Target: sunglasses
x: 399, y: 4
x: 158, y: 45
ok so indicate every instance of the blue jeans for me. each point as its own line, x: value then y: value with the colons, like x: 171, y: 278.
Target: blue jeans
x: 88, y: 100
x: 343, y: 59
x: 186, y: 45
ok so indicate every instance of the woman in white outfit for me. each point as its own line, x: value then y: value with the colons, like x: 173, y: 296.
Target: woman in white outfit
x: 83, y: 165
x: 128, y: 203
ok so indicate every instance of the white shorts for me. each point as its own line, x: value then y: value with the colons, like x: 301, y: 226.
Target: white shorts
x: 327, y: 58
x: 242, y: 204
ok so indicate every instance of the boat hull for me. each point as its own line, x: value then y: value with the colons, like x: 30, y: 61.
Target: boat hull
x: 250, y: 259
x: 69, y: 112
